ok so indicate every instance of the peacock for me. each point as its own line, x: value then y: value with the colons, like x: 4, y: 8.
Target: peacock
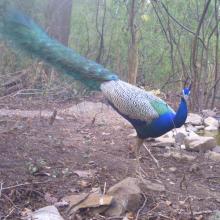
x: 150, y: 116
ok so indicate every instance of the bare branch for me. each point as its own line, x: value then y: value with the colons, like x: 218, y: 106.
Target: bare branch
x: 181, y: 25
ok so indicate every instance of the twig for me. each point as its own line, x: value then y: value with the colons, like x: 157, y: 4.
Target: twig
x: 9, y: 200
x: 164, y: 216
x: 110, y: 218
x: 155, y: 207
x: 181, y: 25
x: 23, y: 184
x: 141, y: 208
x: 104, y: 190
x: 1, y: 187
x: 114, y: 218
x: 152, y: 156
x: 203, y: 212
x: 187, y: 193
x: 8, y: 215
x: 53, y: 117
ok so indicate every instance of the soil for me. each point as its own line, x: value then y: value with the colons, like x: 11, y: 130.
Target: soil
x: 38, y: 158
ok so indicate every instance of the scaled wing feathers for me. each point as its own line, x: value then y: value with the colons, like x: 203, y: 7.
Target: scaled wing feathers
x: 133, y: 101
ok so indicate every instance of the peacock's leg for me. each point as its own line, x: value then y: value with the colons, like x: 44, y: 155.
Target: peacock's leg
x: 138, y: 146
x: 136, y: 150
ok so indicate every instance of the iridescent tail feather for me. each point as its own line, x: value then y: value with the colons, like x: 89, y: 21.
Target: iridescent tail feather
x: 25, y: 34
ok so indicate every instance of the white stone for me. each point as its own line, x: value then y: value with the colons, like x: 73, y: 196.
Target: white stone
x: 200, y: 127
x: 190, y: 127
x: 200, y: 143
x: 179, y: 155
x: 164, y: 142
x: 210, y: 121
x: 208, y: 113
x: 45, y: 213
x: 216, y: 149
x: 211, y: 128
x: 213, y: 156
x: 127, y: 196
x: 177, y: 135
x: 194, y: 119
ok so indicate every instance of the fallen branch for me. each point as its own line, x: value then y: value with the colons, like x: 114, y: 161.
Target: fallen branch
x: 202, y: 212
x: 152, y: 156
x: 9, y: 214
x: 1, y: 186
x: 141, y: 208
x: 24, y: 184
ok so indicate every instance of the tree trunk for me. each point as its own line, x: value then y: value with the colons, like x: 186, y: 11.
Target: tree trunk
x: 59, y: 19
x: 133, y: 44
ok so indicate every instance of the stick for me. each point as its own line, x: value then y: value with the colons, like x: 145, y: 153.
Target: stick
x: 152, y: 156
x: 23, y: 184
x: 139, y: 210
x: 1, y: 187
x: 8, y: 215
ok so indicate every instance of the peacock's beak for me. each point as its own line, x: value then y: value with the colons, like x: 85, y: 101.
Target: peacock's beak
x: 190, y: 86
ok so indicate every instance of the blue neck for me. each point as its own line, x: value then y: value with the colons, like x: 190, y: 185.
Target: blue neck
x: 181, y: 114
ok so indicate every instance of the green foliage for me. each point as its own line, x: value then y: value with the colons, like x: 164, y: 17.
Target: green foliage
x: 164, y: 52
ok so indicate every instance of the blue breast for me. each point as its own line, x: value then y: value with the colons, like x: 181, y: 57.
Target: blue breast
x: 160, y: 125
x: 155, y: 128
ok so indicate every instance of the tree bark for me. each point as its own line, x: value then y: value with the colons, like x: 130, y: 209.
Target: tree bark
x: 59, y: 19
x: 133, y: 44
x: 196, y: 97
x: 100, y: 30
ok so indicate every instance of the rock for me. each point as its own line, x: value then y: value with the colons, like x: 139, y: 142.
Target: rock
x: 147, y: 185
x: 186, y: 131
x: 127, y: 197
x: 172, y: 169
x: 210, y: 121
x: 27, y: 113
x: 194, y: 168
x: 216, y: 149
x: 211, y: 128
x: 200, y: 143
x: 182, y: 147
x: 194, y: 119
x: 87, y: 200
x: 46, y: 213
x: 133, y: 134
x: 85, y: 173
x: 169, y: 134
x: 200, y: 127
x: 215, y: 215
x: 208, y: 113
x: 213, y: 156
x: 164, y: 142
x: 179, y: 155
x: 190, y: 127
x: 179, y: 138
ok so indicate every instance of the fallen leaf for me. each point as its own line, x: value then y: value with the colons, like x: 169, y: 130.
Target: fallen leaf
x: 84, y: 184
x: 25, y: 212
x: 200, y: 217
x: 169, y: 203
x: 85, y: 173
x: 50, y: 199
x: 86, y: 200
x: 45, y: 213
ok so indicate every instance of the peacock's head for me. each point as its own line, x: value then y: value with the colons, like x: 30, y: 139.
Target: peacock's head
x: 186, y: 92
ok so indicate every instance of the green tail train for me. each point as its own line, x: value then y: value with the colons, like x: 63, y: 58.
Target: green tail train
x: 24, y: 33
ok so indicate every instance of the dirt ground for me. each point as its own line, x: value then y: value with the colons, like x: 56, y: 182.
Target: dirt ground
x: 38, y: 158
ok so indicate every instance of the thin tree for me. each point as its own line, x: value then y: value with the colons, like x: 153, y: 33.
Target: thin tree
x: 59, y: 19
x: 133, y: 42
